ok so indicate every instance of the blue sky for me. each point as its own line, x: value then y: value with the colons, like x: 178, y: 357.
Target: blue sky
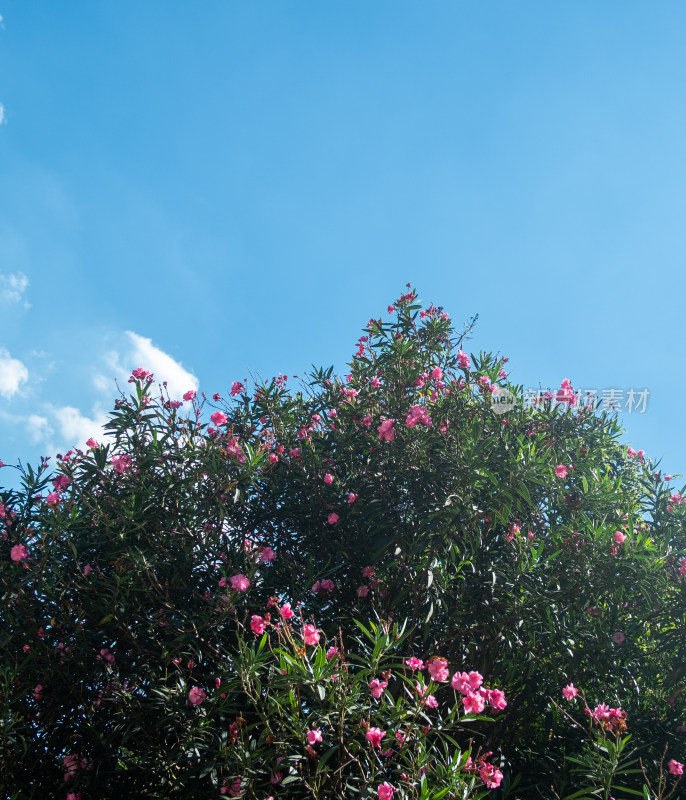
x: 212, y: 189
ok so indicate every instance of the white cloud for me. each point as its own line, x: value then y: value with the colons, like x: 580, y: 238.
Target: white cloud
x: 102, y: 383
x: 38, y: 428
x: 145, y: 354
x: 76, y: 428
x: 2, y: 108
x: 13, y: 286
x: 12, y: 374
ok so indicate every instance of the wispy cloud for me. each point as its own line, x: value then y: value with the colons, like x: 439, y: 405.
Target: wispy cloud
x: 12, y: 374
x: 13, y: 286
x: 38, y: 428
x: 76, y: 428
x: 2, y: 108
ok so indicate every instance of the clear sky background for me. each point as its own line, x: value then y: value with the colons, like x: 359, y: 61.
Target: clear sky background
x: 216, y: 188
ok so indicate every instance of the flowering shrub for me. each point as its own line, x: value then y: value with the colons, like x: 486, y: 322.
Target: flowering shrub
x: 373, y: 586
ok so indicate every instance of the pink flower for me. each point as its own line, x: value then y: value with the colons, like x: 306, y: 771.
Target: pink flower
x: 561, y: 471
x: 105, y: 655
x: 608, y: 718
x: 61, y: 482
x: 234, y: 790
x: 620, y: 537
x: 324, y: 586
x: 385, y: 791
x: 267, y: 555
x: 496, y: 699
x: 362, y: 591
x: 438, y: 669
x: 74, y: 796
x: 328, y: 479
x: 140, y: 374
x: 377, y: 687
x: 92, y: 443
x: 386, y: 432
x: 258, y: 624
x: 121, y: 464
x: 491, y: 776
x: 475, y: 679
x: 375, y: 735
x: 53, y: 499
x: 72, y: 764
x: 417, y: 414
x: 368, y: 572
x: 286, y: 611
x: 352, y: 497
x: 310, y: 634
x: 618, y: 638
x: 675, y: 768
x: 512, y: 532
x: 196, y: 696
x: 240, y: 583
x: 463, y: 360
x: 331, y: 652
x: 38, y: 692
x: 414, y: 663
x: 314, y: 736
x: 473, y: 703
x: 332, y: 519
x: 219, y: 418
x: 437, y: 373
x: 570, y: 692
x: 190, y: 395
x: 236, y: 388
x: 18, y: 552
x: 565, y: 394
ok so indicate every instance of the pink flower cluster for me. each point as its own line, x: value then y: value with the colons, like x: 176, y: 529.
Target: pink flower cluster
x: 639, y: 455
x: 611, y: 719
x: 73, y: 764
x: 140, y: 374
x: 324, y: 587
x: 386, y: 431
x: 122, y: 464
x: 418, y: 414
x: 463, y: 360
x: 19, y: 552
x: 565, y: 394
x: 570, y: 691
x: 474, y: 695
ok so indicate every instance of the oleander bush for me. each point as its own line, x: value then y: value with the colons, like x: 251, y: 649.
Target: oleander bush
x: 385, y: 585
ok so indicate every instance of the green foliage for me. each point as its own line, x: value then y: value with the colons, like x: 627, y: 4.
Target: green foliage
x: 445, y: 531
